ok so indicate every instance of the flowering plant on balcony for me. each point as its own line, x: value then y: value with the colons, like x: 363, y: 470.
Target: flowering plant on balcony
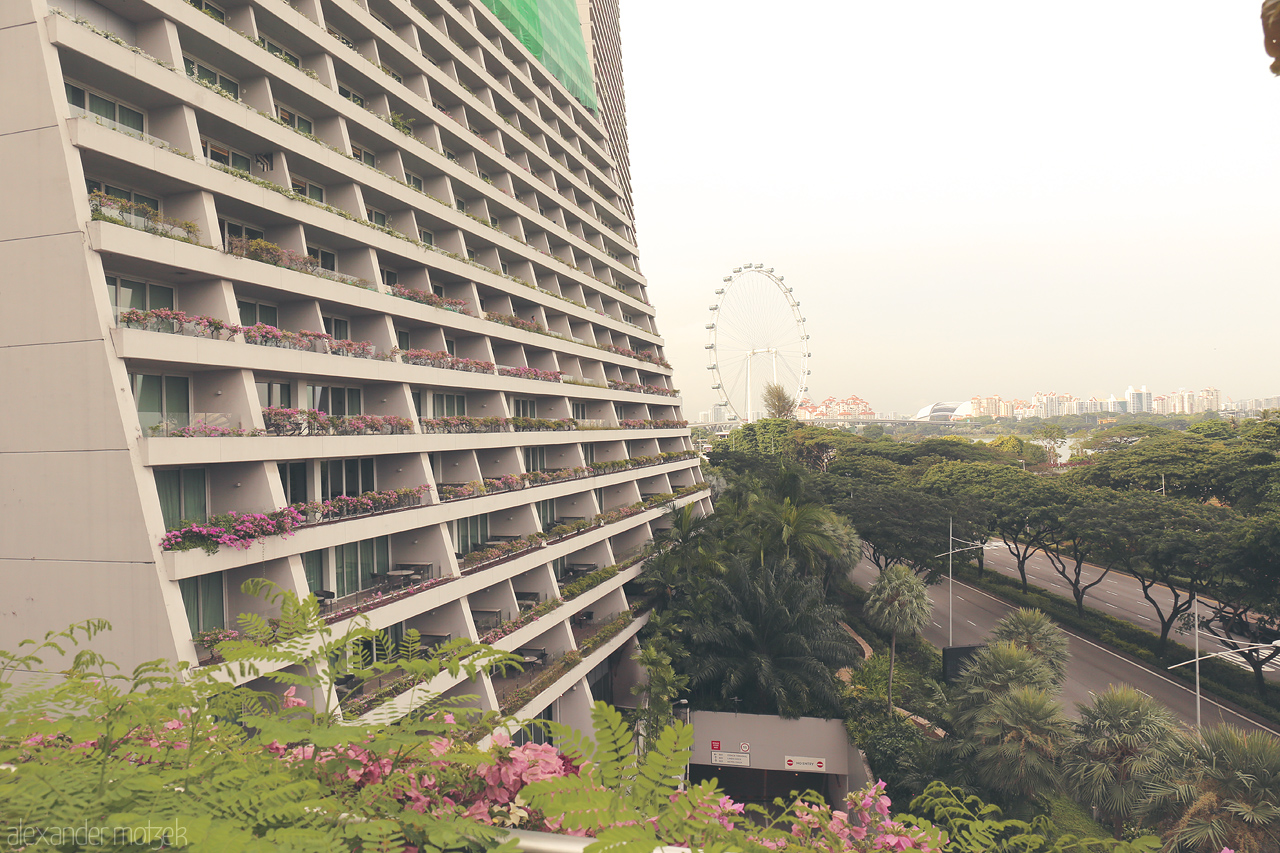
x: 641, y: 388
x: 503, y: 549
x: 443, y: 360
x: 355, y: 349
x: 505, y: 483
x: 462, y: 424
x: 426, y: 297
x: 118, y: 210
x: 264, y: 335
x: 516, y: 322
x: 542, y: 424
x: 201, y: 429
x: 238, y: 530
x: 344, y: 506
x: 530, y: 373
x: 169, y: 320
x: 468, y: 490
x: 557, y: 475
x: 381, y: 598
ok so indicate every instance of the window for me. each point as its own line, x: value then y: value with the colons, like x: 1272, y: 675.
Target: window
x: 93, y: 186
x: 390, y: 277
x: 303, y: 187
x: 279, y: 51
x: 402, y: 341
x: 209, y: 9
x: 340, y: 37
x: 219, y: 153
x: 212, y: 76
x: 470, y: 533
x: 291, y: 119
x: 125, y: 294
x: 414, y: 181
x: 485, y: 177
x: 337, y: 327
x: 326, y: 259
x: 589, y: 454
x: 620, y: 411
x: 107, y: 108
x: 546, y: 513
x: 627, y: 318
x: 449, y: 405
x: 293, y: 477
x: 364, y: 155
x: 279, y: 394
x: 348, y: 477
x: 377, y: 217
x: 356, y: 563
x: 392, y: 74
x: 502, y: 265
x: 334, y: 401
x: 183, y: 495
x: 417, y: 400
x: 461, y: 204
x: 535, y: 459
x: 449, y: 155
x: 438, y: 290
x: 203, y: 599
x: 162, y: 399
x: 533, y: 732
x: 313, y: 568
x: 253, y: 313
x: 471, y: 254
x: 579, y: 411
x: 450, y: 345
x: 354, y: 97
x: 238, y: 230
x: 524, y: 408
x: 427, y: 237
x: 599, y: 493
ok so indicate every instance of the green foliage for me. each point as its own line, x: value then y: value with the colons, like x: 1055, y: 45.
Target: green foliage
x: 977, y: 827
x: 1032, y: 630
x: 898, y: 604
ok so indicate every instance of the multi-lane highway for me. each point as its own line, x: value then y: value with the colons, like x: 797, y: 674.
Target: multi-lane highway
x: 1118, y: 595
x: 1092, y: 668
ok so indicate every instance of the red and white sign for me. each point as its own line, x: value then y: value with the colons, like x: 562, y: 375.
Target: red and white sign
x: 804, y: 762
x: 744, y: 747
x: 715, y: 744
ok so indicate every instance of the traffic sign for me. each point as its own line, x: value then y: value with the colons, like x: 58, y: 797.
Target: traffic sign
x: 744, y: 747
x: 804, y: 762
x: 715, y: 745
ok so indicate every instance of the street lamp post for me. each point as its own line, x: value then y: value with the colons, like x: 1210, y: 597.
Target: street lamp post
x: 969, y: 546
x: 1199, y: 657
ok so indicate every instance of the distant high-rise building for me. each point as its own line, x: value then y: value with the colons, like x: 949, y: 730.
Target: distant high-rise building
x: 1138, y: 401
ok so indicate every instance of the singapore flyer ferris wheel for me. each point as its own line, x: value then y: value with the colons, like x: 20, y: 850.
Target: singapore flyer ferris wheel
x: 756, y: 336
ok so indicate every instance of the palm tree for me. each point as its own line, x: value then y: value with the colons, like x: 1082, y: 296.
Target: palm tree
x: 802, y: 531
x: 1225, y: 793
x: 898, y: 604
x: 1017, y: 741
x: 1030, y: 629
x: 994, y: 671
x: 1123, y: 741
x: 769, y: 643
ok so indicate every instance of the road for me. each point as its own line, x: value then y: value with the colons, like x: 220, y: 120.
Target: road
x: 1092, y: 667
x: 1118, y: 595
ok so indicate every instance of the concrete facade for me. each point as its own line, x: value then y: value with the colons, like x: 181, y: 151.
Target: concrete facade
x: 453, y: 197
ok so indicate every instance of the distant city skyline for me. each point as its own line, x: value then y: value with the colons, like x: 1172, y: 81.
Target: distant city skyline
x: 966, y: 196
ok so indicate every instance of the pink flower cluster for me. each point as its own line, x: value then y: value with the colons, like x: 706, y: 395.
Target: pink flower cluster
x: 238, y: 530
x: 652, y: 424
x: 427, y: 298
x: 531, y: 373
x: 164, y: 319
x: 445, y: 361
x: 167, y: 319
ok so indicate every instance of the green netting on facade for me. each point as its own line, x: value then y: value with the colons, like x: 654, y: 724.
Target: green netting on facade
x: 550, y: 29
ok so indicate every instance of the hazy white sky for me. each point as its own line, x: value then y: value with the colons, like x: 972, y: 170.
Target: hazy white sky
x: 989, y: 197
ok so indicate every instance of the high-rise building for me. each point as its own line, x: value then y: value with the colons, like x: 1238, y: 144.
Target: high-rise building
x: 372, y: 260
x: 1138, y: 401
